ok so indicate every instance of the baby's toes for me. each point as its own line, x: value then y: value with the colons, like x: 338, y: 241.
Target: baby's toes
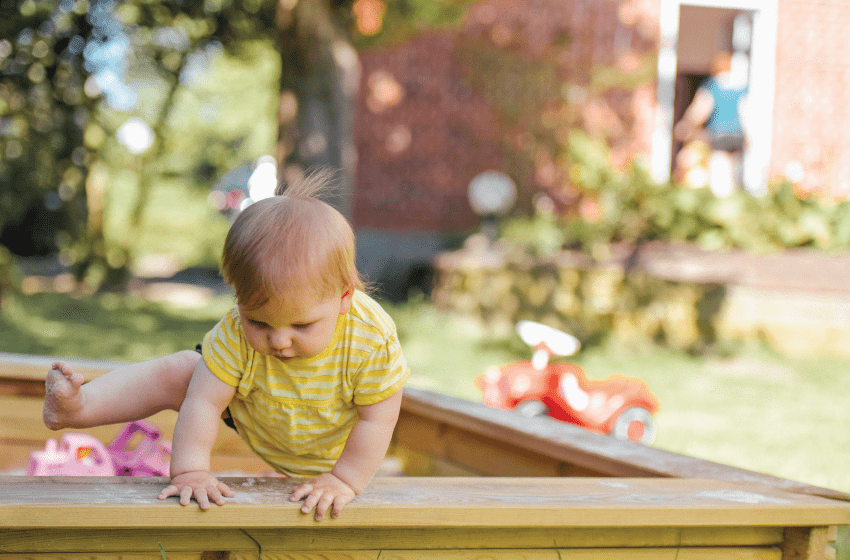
x: 60, y: 385
x: 60, y: 367
x: 75, y: 378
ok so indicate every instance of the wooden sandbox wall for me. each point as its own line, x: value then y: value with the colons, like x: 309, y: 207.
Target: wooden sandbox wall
x: 481, y: 483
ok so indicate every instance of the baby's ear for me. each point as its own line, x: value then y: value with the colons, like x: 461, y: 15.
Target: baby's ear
x: 345, y: 301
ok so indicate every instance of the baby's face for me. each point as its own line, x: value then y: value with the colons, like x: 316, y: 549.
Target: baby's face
x: 290, y: 332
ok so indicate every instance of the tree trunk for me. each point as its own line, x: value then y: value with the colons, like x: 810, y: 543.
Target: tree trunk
x: 320, y: 73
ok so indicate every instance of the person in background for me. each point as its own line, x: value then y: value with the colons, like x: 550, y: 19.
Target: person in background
x: 716, y: 114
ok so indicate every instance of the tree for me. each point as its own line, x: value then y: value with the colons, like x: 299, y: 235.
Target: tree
x: 44, y: 109
x: 165, y: 36
x: 53, y: 107
x: 54, y: 123
x: 318, y: 84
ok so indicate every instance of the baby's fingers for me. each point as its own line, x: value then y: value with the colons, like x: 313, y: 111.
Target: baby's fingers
x: 322, y: 505
x: 339, y: 503
x: 214, y: 494
x: 169, y: 491
x: 300, y: 491
x: 225, y: 491
x: 311, y: 502
x: 200, y: 496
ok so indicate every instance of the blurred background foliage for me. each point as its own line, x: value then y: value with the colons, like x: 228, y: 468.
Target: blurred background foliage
x: 74, y: 71
x: 205, y: 78
x: 627, y: 206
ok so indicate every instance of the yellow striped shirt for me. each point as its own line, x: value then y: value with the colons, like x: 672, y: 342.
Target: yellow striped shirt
x: 297, y: 415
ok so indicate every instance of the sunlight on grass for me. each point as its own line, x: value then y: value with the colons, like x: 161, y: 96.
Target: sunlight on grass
x: 109, y: 326
x: 175, y: 211
x: 756, y: 410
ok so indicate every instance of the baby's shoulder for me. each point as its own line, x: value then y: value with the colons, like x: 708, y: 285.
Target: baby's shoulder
x: 231, y: 322
x: 229, y: 325
x: 367, y: 314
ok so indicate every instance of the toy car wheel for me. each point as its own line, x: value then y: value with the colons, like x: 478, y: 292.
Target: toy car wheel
x: 530, y: 409
x: 635, y: 424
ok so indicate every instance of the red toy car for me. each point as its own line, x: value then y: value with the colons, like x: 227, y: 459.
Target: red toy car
x: 619, y: 406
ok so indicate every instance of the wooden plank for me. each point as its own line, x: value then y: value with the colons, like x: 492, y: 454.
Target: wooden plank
x: 123, y: 556
x: 428, y: 554
x: 518, y: 554
x: 477, y: 454
x: 352, y: 538
x: 325, y: 555
x: 66, y: 541
x: 728, y: 553
x: 14, y: 457
x: 805, y: 543
x: 832, y: 533
x: 741, y: 536
x: 70, y: 502
x: 566, y: 446
x: 596, y: 554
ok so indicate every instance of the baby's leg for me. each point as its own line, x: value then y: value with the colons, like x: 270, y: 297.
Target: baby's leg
x: 129, y: 393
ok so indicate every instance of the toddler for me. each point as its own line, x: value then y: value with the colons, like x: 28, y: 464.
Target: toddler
x: 306, y: 367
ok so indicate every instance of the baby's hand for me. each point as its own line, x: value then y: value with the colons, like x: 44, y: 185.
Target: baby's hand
x: 322, y: 492
x: 200, y: 485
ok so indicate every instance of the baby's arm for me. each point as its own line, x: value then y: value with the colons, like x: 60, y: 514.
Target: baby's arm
x: 194, y: 437
x: 364, y: 450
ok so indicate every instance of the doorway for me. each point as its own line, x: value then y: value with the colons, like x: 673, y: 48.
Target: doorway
x: 692, y: 32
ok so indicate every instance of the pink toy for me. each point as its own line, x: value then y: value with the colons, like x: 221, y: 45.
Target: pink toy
x: 619, y: 406
x: 83, y: 455
x: 151, y: 457
x: 75, y: 455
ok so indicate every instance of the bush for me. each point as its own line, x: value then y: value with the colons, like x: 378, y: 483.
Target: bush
x: 628, y: 206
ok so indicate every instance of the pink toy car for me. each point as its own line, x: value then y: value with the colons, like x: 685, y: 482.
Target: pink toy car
x: 619, y: 406
x: 83, y: 455
x: 75, y: 455
x: 150, y: 457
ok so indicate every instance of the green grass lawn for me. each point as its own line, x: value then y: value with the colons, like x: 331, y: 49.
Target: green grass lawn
x: 755, y: 410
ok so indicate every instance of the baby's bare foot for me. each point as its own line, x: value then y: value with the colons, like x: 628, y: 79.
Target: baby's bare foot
x: 63, y: 400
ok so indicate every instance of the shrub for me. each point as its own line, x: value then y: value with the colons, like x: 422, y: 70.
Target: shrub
x: 628, y: 206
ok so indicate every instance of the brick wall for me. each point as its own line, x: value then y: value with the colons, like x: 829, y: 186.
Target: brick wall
x: 812, y: 102
x: 423, y: 132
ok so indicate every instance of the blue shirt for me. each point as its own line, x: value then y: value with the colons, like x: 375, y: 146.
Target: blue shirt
x: 725, y: 119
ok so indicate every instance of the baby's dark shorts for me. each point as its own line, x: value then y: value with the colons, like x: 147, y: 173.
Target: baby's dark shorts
x: 228, y: 421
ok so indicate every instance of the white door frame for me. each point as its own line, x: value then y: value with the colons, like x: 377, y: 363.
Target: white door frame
x: 761, y: 94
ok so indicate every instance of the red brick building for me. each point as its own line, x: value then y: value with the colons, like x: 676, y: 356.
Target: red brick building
x: 812, y: 94
x: 426, y: 126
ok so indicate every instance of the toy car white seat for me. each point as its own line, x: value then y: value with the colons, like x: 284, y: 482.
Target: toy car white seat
x: 546, y: 341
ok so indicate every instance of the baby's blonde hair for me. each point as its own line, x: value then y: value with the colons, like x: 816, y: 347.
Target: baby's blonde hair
x: 290, y: 247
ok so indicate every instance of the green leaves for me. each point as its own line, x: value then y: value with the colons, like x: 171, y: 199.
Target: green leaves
x: 634, y: 209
